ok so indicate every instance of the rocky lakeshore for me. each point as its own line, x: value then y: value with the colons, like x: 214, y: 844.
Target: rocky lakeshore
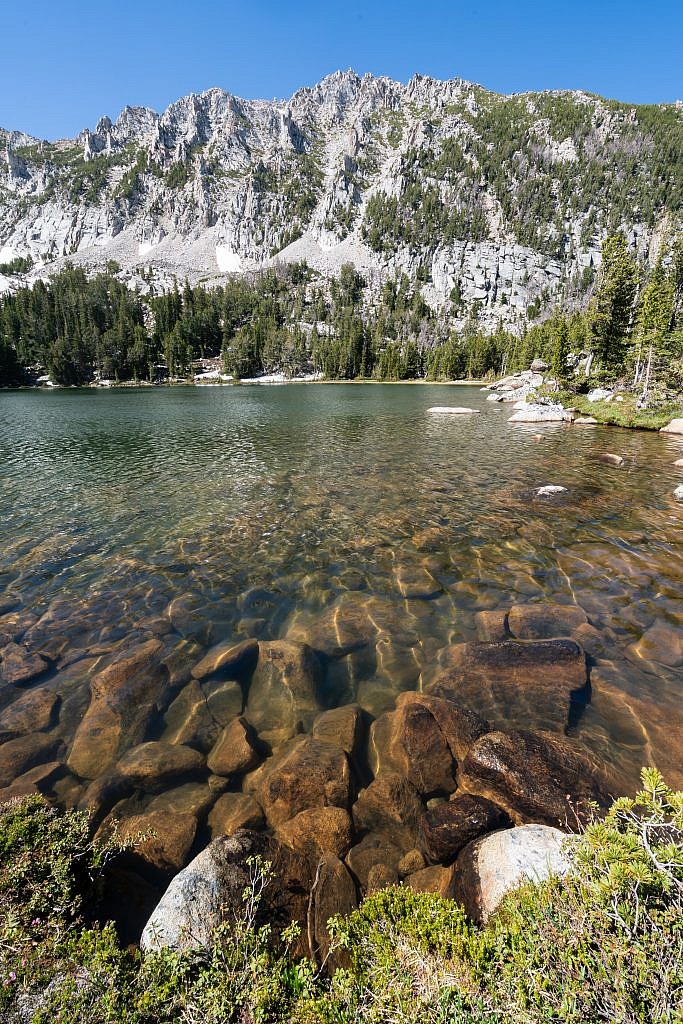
x: 343, y: 801
x: 537, y: 397
x: 266, y: 633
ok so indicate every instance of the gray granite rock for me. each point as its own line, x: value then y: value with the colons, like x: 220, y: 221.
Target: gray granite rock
x: 489, y: 868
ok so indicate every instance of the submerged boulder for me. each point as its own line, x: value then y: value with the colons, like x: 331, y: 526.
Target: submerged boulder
x: 124, y: 697
x: 437, y: 879
x: 19, y: 666
x: 415, y: 582
x: 100, y: 796
x: 39, y: 780
x: 283, y: 695
x: 31, y: 711
x: 345, y: 626
x: 187, y: 798
x: 235, y: 751
x: 460, y: 726
x: 188, y: 719
x: 167, y: 837
x: 374, y: 856
x: 228, y: 659
x: 381, y: 876
x: 448, y: 827
x: 411, y: 862
x: 431, y: 538
x: 534, y: 777
x: 390, y: 805
x: 333, y: 892
x: 311, y: 773
x: 398, y: 667
x: 224, y: 699
x: 532, y: 680
x: 544, y: 621
x: 19, y: 755
x: 189, y: 617
x: 233, y: 811
x: 342, y: 726
x: 662, y: 642
x: 319, y: 829
x: 491, y: 625
x: 410, y: 742
x: 14, y: 624
x: 658, y: 724
x: 151, y: 765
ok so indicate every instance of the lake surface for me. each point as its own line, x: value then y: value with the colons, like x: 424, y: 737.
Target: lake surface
x: 200, y: 515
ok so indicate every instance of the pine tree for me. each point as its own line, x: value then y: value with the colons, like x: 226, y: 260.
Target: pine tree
x: 611, y: 309
x: 653, y: 325
x: 560, y: 349
x: 677, y: 278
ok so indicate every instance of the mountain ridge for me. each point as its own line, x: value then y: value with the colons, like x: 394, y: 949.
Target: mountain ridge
x: 497, y: 204
x: 332, y: 76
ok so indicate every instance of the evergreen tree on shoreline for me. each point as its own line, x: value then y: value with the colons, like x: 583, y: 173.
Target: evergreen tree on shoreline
x: 611, y: 310
x: 291, y: 321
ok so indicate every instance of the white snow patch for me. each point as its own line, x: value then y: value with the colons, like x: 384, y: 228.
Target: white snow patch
x: 7, y: 254
x: 229, y: 261
x: 144, y: 248
x: 212, y: 376
x: 279, y: 378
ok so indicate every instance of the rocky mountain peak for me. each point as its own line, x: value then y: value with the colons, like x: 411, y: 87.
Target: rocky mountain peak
x: 134, y: 123
x: 496, y: 204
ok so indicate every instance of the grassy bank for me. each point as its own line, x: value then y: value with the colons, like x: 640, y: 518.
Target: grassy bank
x: 624, y: 413
x: 603, y: 944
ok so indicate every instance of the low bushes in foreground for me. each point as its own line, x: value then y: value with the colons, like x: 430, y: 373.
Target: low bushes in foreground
x: 603, y: 944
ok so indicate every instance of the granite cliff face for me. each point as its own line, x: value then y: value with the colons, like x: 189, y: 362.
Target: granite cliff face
x: 496, y: 204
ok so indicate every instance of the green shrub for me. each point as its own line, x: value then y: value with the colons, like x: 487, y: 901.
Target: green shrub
x: 57, y: 971
x: 431, y: 924
x: 49, y: 873
x: 407, y: 951
x: 48, y: 862
x: 604, y: 944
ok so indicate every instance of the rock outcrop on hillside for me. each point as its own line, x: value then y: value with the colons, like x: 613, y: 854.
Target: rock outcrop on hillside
x: 494, y: 202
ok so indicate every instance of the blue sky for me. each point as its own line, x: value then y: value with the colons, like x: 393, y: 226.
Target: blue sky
x: 64, y: 63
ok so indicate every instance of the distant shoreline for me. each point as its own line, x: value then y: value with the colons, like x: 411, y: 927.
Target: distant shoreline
x: 146, y: 385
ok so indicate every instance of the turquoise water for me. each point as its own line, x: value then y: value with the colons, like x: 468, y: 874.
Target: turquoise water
x: 259, y: 506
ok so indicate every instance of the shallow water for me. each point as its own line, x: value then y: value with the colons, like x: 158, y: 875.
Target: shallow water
x: 260, y: 506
